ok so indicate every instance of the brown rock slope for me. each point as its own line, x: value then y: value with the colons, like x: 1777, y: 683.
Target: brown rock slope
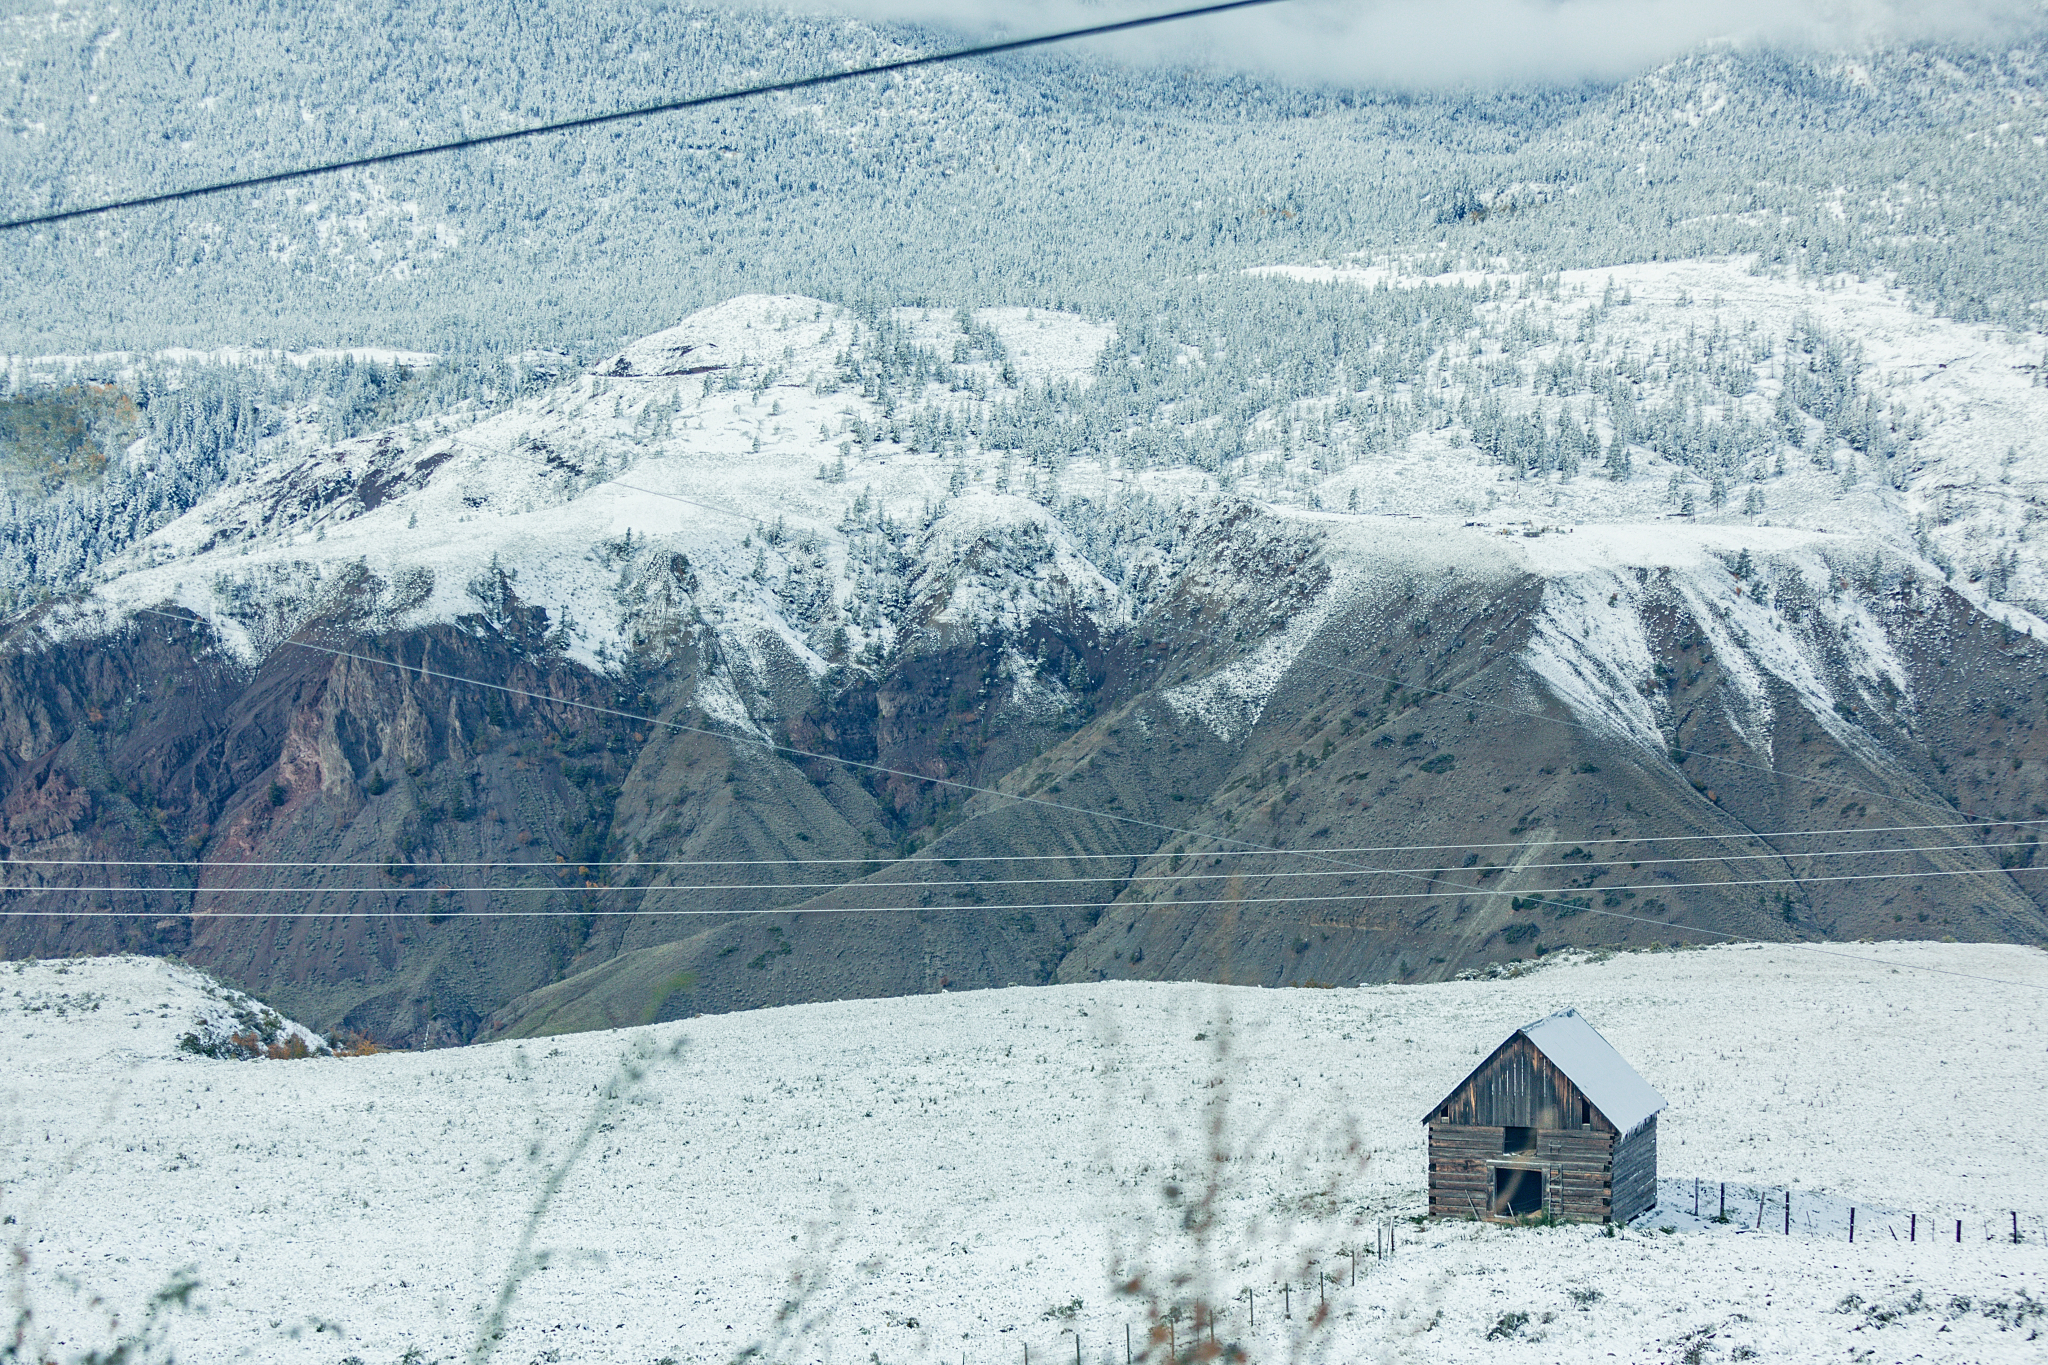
x: 1408, y: 797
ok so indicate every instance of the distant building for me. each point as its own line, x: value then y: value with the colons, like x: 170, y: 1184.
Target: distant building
x: 1554, y: 1122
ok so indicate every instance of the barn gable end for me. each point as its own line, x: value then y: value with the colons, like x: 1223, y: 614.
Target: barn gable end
x: 1518, y: 1086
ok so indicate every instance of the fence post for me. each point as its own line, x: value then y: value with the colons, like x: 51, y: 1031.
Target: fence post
x: 2015, y: 1227
x: 1852, y: 1224
x: 1695, y: 1196
x: 1788, y: 1211
x: 1251, y: 1303
x: 1127, y: 1344
x: 1287, y: 1300
x: 1724, y: 1201
x: 1913, y: 1228
x: 1959, y: 1232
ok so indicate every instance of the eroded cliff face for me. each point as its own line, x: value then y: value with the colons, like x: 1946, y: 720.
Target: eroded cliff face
x: 1304, y: 753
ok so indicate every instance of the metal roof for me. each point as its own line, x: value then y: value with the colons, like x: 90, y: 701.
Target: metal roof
x: 1590, y: 1062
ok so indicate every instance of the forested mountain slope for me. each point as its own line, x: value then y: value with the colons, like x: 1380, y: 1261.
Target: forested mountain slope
x: 1187, y: 497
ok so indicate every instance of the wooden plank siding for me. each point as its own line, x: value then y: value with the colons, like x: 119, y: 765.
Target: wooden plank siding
x: 1575, y: 1165
x: 1590, y: 1174
x: 1635, y: 1172
x: 1518, y: 1086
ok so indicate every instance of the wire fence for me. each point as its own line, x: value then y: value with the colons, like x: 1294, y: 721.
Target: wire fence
x: 1290, y: 1312
x: 1790, y: 1211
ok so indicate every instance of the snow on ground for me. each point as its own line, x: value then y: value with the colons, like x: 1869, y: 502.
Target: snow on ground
x: 115, y: 1013
x: 25, y: 370
x: 962, y: 1176
x: 1592, y: 645
x: 1045, y: 345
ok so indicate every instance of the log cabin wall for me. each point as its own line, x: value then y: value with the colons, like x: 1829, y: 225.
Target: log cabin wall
x: 1578, y: 1164
x: 1575, y: 1163
x: 1460, y: 1178
x: 1635, y: 1172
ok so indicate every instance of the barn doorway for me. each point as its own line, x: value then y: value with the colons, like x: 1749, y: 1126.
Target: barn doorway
x: 1516, y: 1192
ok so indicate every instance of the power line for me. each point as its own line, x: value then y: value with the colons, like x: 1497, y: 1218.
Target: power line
x: 1534, y: 897
x: 643, y: 111
x: 992, y: 909
x: 1346, y: 870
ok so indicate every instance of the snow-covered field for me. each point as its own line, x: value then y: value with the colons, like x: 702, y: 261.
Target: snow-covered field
x: 966, y: 1176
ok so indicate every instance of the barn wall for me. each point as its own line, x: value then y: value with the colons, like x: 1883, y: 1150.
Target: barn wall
x: 1635, y: 1172
x: 1579, y: 1161
x: 1517, y: 1086
x: 1460, y: 1182
x: 1575, y: 1164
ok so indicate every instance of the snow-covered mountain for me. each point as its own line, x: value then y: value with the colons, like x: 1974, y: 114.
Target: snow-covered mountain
x: 1248, y: 483
x: 1496, y: 611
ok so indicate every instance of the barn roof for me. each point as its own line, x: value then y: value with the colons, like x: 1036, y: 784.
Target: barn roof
x: 1590, y: 1062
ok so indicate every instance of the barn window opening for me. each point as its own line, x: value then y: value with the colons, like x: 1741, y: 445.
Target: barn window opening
x: 1517, y: 1140
x: 1585, y: 1113
x: 1516, y: 1193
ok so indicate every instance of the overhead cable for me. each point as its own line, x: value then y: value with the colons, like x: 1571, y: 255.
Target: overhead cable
x: 639, y: 112
x: 660, y: 864
x: 601, y: 888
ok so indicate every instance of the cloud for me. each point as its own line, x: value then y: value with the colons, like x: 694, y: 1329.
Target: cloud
x: 1424, y: 43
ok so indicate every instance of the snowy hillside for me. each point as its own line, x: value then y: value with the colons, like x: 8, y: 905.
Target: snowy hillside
x: 103, y: 1016
x: 1005, y: 522
x: 777, y: 469
x: 733, y: 440
x: 971, y: 1174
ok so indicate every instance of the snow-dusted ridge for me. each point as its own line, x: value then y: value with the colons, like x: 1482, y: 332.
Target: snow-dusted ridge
x: 101, y: 1016
x: 953, y: 1168
x: 692, y: 440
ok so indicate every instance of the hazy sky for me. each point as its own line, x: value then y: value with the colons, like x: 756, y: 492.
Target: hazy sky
x: 1430, y: 42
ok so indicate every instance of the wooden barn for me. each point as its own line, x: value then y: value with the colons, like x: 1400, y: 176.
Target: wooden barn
x: 1553, y: 1123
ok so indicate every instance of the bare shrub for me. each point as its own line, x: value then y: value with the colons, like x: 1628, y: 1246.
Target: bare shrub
x: 632, y: 1072
x: 1205, y: 1260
